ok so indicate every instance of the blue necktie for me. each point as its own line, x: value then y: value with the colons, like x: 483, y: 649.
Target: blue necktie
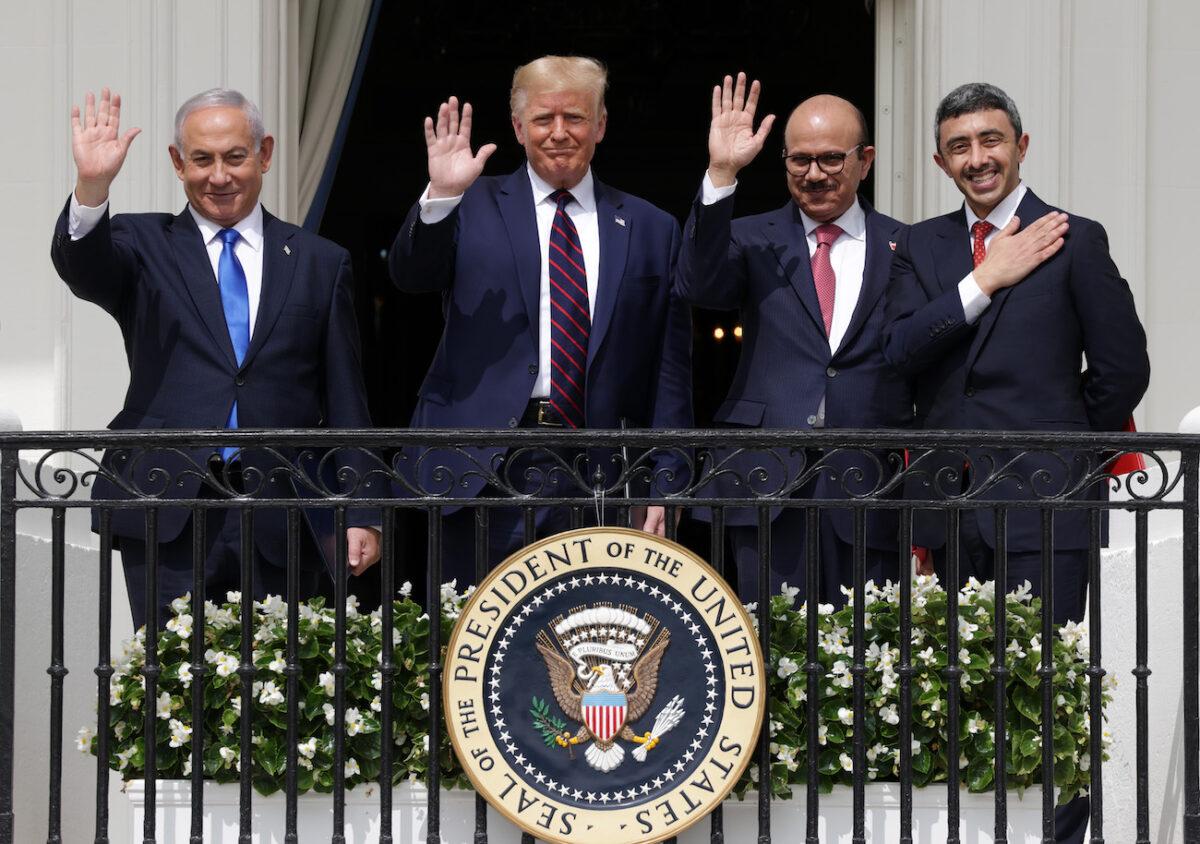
x: 236, y: 301
x: 570, y: 319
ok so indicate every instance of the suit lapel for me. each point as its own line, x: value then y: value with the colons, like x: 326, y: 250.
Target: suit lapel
x: 515, y: 199
x: 278, y: 269
x: 791, y: 250
x: 196, y: 271
x: 876, y: 269
x: 614, y: 247
x: 1030, y: 209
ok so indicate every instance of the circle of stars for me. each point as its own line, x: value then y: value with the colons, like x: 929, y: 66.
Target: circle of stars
x: 650, y: 786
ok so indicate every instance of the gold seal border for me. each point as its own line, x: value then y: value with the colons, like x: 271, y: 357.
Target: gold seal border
x: 598, y: 826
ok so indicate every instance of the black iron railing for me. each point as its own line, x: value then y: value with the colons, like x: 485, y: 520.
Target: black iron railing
x: 344, y: 472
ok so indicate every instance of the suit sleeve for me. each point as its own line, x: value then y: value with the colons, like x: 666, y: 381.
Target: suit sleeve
x: 921, y: 322
x: 710, y: 272
x: 100, y: 267
x: 1114, y: 343
x: 673, y: 394
x: 422, y: 256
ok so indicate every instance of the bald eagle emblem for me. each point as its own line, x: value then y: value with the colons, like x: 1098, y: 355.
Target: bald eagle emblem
x: 603, y: 663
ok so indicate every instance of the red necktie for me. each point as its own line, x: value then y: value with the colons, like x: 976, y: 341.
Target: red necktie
x: 822, y: 271
x: 570, y: 318
x: 979, y: 233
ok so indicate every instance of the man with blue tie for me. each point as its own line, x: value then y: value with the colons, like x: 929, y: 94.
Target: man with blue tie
x: 231, y: 318
x: 808, y: 280
x: 557, y: 299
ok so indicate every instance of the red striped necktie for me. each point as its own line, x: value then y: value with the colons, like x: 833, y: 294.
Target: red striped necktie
x: 570, y: 319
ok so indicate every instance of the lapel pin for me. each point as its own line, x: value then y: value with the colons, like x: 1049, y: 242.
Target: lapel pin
x: 892, y: 245
x: 620, y: 221
x: 288, y: 251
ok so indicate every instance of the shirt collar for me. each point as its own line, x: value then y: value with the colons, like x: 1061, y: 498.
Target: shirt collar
x: 249, y: 227
x: 583, y: 193
x: 1004, y: 210
x: 853, y: 222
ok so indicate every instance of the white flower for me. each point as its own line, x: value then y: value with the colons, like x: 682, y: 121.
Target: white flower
x: 123, y: 757
x: 352, y: 609
x: 271, y: 694
x: 185, y: 674
x: 975, y: 724
x: 273, y: 606
x: 405, y: 589
x: 163, y: 706
x: 822, y: 734
x: 187, y: 765
x: 787, y: 667
x: 847, y: 762
x: 228, y: 754
x: 181, y: 625
x: 182, y: 604
x: 114, y: 692
x: 181, y: 733
x: 966, y: 630
x: 326, y: 682
x: 449, y: 593
x: 846, y: 715
x: 376, y: 704
x: 226, y: 663
x: 425, y: 701
x: 278, y: 664
x: 235, y: 704
x: 307, y: 749
x: 789, y: 592
x: 377, y: 679
x: 329, y: 713
x: 355, y: 723
x: 83, y: 739
x: 889, y: 714
x: 233, y: 597
x: 352, y: 767
x: 1022, y: 592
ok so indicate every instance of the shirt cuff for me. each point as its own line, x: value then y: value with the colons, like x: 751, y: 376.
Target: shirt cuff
x: 974, y: 300
x: 710, y: 194
x: 81, y: 219
x: 436, y: 210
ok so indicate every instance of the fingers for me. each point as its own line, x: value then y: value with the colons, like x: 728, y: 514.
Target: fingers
x: 76, y: 127
x: 430, y: 137
x: 716, y: 101
x: 89, y: 110
x: 128, y: 137
x: 727, y: 94
x: 104, y: 111
x: 443, y: 120
x: 752, y: 99
x: 764, y: 129
x: 464, y: 127
x: 739, y: 92
x: 485, y: 152
x: 453, y: 115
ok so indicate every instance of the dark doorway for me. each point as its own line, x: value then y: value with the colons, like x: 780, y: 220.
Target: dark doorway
x: 663, y: 60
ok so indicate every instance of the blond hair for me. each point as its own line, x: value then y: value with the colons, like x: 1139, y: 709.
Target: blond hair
x: 551, y: 74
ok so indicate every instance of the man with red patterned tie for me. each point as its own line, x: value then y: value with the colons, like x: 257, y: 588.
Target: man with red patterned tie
x: 808, y: 280
x: 990, y: 311
x: 558, y: 304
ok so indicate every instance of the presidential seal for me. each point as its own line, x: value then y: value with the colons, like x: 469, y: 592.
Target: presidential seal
x: 604, y: 685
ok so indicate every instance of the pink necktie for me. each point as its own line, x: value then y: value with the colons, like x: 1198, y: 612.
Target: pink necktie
x: 822, y: 271
x: 979, y: 232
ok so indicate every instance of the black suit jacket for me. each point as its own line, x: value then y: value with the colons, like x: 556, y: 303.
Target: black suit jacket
x: 152, y: 274
x: 1017, y: 368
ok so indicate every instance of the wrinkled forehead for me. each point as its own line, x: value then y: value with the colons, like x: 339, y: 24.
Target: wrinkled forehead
x: 216, y: 129
x: 975, y: 124
x: 551, y: 99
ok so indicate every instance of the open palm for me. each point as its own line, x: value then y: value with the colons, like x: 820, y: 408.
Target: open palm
x: 97, y: 144
x: 452, y: 166
x: 732, y: 140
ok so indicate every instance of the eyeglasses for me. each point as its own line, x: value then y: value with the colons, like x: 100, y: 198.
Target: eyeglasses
x: 829, y: 163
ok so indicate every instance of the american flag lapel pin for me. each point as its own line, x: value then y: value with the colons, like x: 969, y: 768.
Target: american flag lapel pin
x: 892, y: 245
x: 287, y: 250
x: 620, y: 221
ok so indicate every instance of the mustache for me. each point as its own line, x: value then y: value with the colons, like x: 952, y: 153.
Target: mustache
x: 812, y: 187
x: 979, y: 171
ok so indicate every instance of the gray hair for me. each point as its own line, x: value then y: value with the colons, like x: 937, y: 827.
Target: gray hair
x: 221, y: 98
x: 970, y: 98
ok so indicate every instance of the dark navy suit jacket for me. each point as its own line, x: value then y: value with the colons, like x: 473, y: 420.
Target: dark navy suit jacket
x: 151, y: 272
x: 1017, y: 368
x: 485, y: 259
x: 761, y: 266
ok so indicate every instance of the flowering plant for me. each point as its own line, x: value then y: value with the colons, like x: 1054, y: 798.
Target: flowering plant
x: 977, y: 735
x: 363, y: 682
x: 787, y: 693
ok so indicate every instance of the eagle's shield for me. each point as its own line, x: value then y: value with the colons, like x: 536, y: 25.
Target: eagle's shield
x: 604, y: 713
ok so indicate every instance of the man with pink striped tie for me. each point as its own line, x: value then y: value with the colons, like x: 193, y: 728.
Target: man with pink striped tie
x: 558, y: 303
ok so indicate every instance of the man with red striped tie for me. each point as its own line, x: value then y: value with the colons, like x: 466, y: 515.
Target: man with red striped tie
x: 558, y: 305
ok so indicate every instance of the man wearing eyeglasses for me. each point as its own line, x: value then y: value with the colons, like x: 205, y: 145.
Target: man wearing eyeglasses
x: 808, y: 279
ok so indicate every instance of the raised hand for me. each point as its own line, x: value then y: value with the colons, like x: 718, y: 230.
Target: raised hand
x: 452, y: 167
x: 732, y: 141
x: 98, y: 146
x: 1013, y: 255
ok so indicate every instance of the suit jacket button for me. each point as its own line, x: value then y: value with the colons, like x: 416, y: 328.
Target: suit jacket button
x: 240, y: 381
x: 812, y: 420
x: 831, y: 372
x: 533, y: 369
x: 970, y: 391
x: 512, y: 423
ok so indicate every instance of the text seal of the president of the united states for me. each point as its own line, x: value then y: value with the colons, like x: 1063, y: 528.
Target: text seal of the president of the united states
x: 604, y: 685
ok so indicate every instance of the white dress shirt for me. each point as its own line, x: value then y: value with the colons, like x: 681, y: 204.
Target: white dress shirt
x: 582, y: 211
x: 81, y: 219
x: 847, y: 255
x: 974, y: 300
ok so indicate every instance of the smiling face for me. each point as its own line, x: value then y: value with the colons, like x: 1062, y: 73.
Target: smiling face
x: 826, y: 124
x: 559, y: 131
x: 220, y: 169
x: 981, y: 152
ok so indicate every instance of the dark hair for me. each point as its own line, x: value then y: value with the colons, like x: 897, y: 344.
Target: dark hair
x: 970, y: 98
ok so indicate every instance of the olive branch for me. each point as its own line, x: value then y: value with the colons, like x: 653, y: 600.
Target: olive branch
x: 545, y: 723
